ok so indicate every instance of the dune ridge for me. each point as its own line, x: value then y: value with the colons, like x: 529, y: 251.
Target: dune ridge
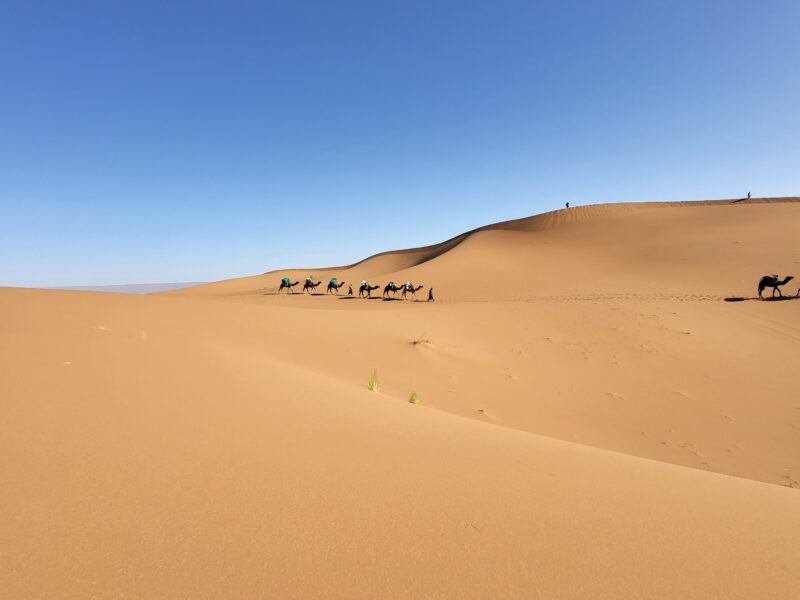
x: 399, y: 262
x: 545, y: 221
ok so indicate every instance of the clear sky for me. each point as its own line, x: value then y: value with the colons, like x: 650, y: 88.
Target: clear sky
x: 149, y: 141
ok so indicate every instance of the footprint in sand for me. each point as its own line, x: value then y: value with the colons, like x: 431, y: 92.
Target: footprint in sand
x: 101, y: 328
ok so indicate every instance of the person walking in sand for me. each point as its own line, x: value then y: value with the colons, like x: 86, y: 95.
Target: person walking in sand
x: 567, y: 204
x: 748, y: 195
x: 430, y: 295
x: 350, y: 289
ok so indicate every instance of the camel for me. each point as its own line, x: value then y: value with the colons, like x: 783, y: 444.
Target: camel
x: 288, y: 285
x: 409, y: 288
x: 366, y: 287
x: 391, y: 287
x: 334, y: 286
x: 774, y: 282
x: 310, y: 286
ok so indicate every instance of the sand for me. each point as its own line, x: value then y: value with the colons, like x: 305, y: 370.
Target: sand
x: 595, y: 420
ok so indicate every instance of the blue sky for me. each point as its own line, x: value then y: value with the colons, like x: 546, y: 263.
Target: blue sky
x: 141, y: 142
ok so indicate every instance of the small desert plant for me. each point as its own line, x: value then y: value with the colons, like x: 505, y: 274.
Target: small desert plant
x: 414, y: 398
x: 374, y: 384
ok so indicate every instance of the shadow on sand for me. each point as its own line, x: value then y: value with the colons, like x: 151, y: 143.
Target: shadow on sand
x: 292, y: 294
x: 776, y: 299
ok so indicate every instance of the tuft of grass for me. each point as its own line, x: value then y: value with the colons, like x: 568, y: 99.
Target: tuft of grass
x: 373, y: 385
x: 414, y: 398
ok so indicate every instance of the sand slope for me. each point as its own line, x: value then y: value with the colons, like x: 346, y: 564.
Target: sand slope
x: 604, y: 325
x: 221, y: 442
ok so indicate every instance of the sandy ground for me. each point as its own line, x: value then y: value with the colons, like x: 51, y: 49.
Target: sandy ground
x: 595, y: 420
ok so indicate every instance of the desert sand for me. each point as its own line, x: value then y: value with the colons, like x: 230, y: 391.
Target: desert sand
x: 604, y: 411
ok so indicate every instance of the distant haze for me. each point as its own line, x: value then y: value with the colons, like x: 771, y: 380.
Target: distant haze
x: 133, y: 288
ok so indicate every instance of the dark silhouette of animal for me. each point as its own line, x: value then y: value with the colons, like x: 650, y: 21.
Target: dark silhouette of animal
x: 288, y: 285
x: 310, y: 286
x: 366, y: 288
x: 334, y: 287
x: 409, y: 288
x: 774, y: 282
x: 392, y: 288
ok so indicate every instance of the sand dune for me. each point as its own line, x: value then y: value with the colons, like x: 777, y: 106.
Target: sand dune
x: 604, y: 325
x: 629, y: 435
x: 636, y: 247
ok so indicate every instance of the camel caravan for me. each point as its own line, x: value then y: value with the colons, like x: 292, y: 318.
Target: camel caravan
x: 391, y: 291
x: 408, y: 290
